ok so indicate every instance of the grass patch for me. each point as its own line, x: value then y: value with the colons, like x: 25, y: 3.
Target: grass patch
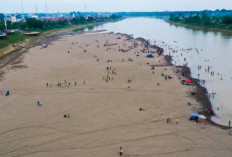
x: 19, y: 36
x: 12, y: 38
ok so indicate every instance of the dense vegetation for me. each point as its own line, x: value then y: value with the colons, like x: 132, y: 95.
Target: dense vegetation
x: 165, y: 14
x: 220, y: 22
x: 32, y: 23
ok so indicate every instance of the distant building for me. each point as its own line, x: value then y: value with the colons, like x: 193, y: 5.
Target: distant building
x: 13, y: 19
x: 8, y: 18
x: 56, y: 19
x: 32, y: 16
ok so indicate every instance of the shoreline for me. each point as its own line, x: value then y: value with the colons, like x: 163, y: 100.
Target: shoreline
x: 200, y: 95
x: 199, y: 27
x: 200, y: 92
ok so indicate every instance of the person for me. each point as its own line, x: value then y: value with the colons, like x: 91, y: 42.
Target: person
x: 7, y: 93
x: 47, y: 84
x: 177, y: 120
x: 121, y: 151
x: 229, y: 123
x: 168, y: 120
x: 39, y: 103
x: 203, y: 126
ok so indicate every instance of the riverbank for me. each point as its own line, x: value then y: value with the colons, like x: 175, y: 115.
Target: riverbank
x: 198, y: 47
x: 27, y: 41
x: 200, y: 27
x: 45, y: 38
x: 114, y: 97
x: 200, y: 93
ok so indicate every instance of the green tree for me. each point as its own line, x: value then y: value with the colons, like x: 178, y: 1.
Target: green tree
x: 205, y: 19
x: 78, y: 20
x: 2, y: 17
x: 174, y: 18
x: 2, y: 26
x: 31, y: 22
x: 63, y: 22
x: 90, y: 19
x: 171, y: 18
x: 227, y: 19
x: 18, y: 16
x: 75, y: 21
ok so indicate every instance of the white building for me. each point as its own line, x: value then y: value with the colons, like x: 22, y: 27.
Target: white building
x: 13, y: 19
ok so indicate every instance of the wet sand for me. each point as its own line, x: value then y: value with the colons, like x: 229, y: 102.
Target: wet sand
x: 104, y: 105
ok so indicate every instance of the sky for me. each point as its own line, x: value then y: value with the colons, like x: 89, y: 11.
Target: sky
x: 29, y: 6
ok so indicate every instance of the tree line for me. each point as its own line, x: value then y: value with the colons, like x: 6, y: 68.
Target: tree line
x: 204, y: 20
x: 32, y: 23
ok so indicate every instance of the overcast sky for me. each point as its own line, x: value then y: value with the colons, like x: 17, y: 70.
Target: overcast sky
x: 9, y: 6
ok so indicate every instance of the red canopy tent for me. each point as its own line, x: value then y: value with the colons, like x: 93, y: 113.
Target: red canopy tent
x: 188, y: 81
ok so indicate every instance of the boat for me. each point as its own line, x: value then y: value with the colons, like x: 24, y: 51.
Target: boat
x: 3, y: 35
x: 32, y: 33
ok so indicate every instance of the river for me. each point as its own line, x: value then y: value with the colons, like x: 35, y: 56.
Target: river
x: 210, y: 50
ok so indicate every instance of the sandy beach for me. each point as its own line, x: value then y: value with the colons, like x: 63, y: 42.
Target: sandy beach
x: 113, y: 96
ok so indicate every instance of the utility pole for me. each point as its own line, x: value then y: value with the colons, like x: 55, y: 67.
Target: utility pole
x: 5, y: 23
x: 46, y: 7
x: 22, y: 6
x: 36, y: 9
